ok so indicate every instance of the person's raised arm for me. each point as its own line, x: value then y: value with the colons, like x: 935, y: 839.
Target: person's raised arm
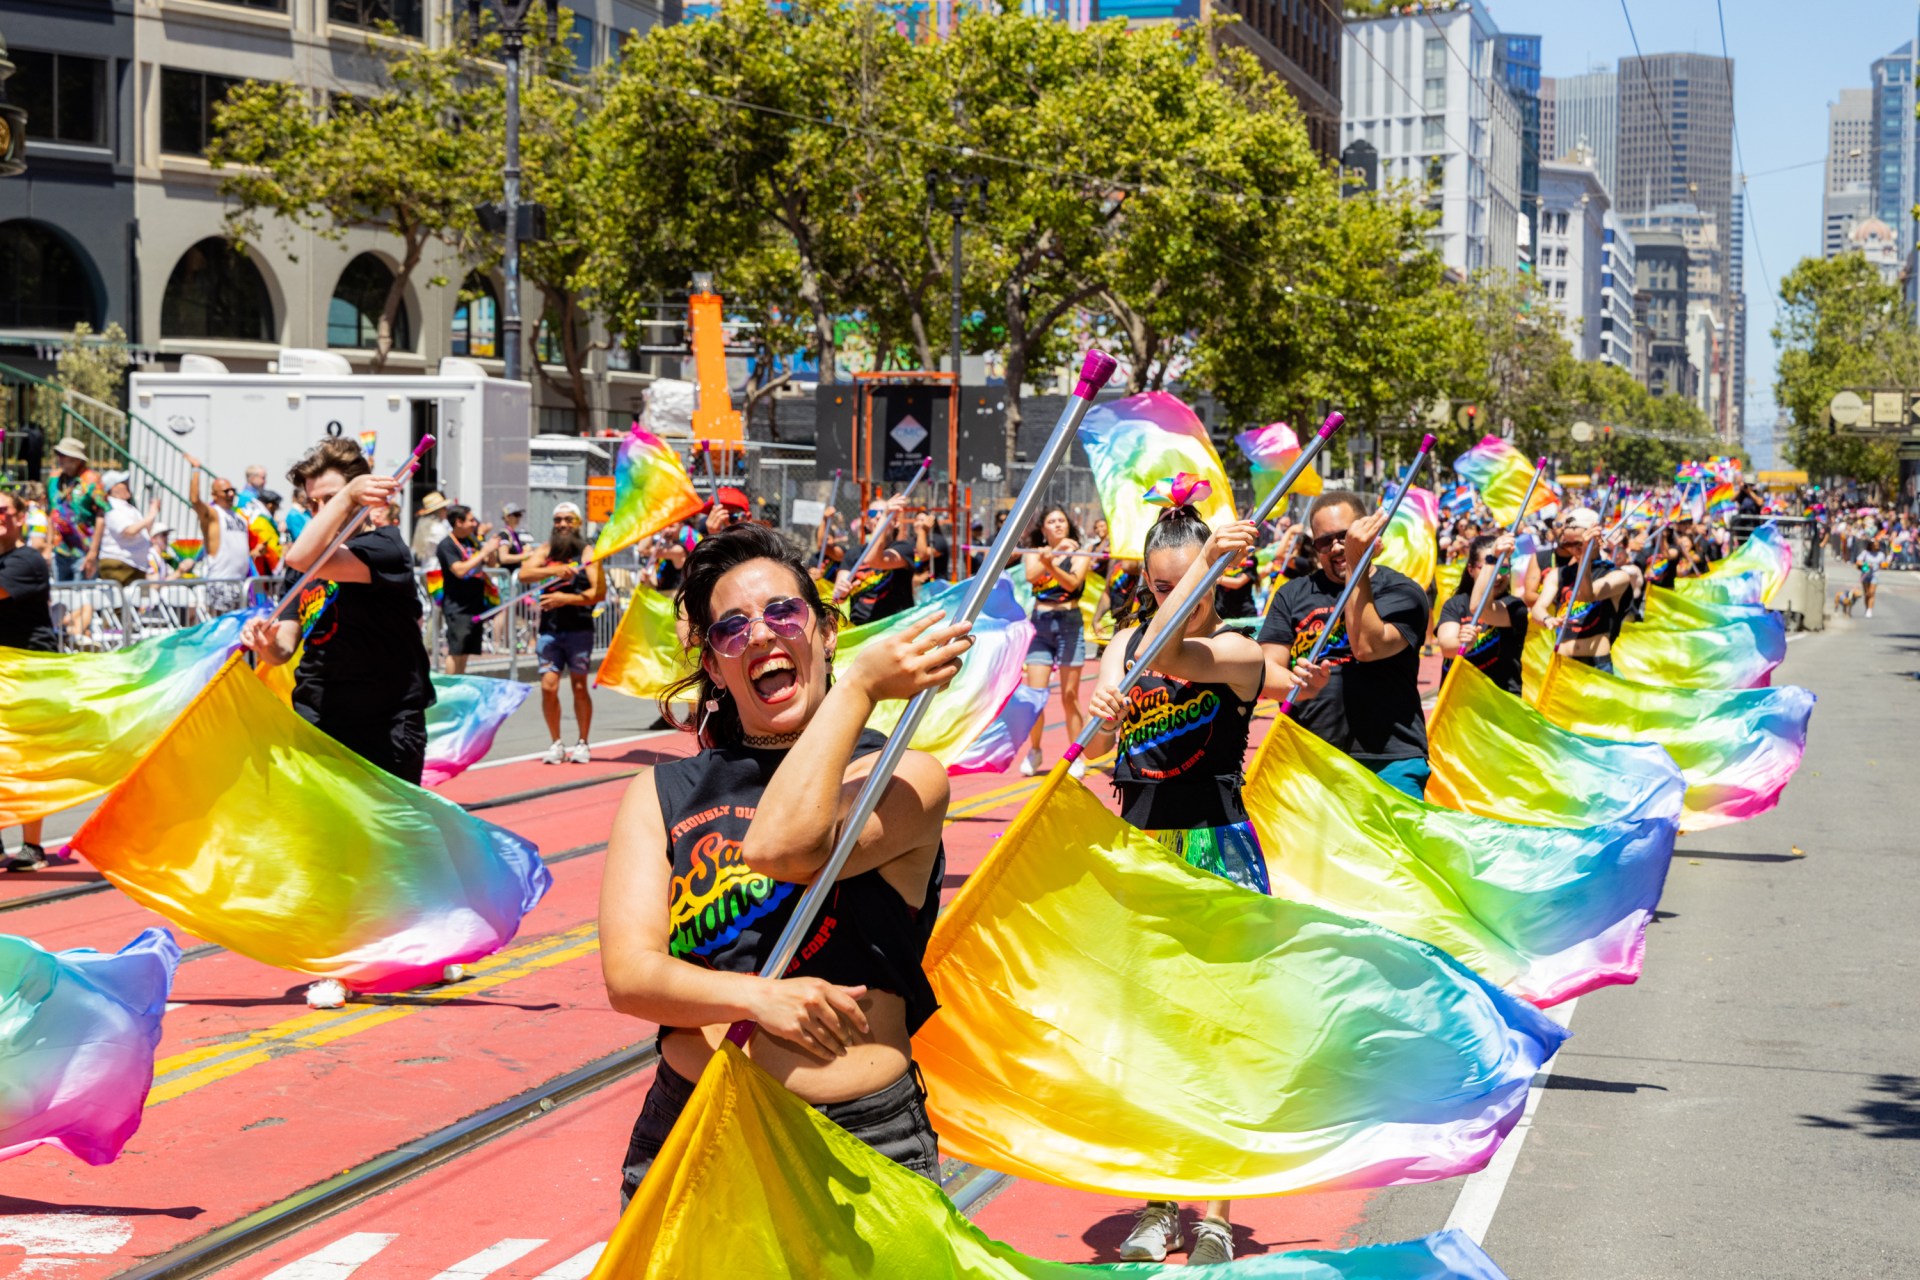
x: 1371, y: 636
x: 1221, y: 659
x: 808, y: 789
x: 342, y: 566
x: 479, y: 557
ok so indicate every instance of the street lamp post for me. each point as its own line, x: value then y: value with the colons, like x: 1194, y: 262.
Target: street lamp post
x: 513, y: 39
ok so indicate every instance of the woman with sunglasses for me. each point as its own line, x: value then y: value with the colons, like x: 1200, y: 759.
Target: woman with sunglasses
x: 1496, y: 643
x: 1058, y: 578
x: 1181, y: 740
x: 696, y: 892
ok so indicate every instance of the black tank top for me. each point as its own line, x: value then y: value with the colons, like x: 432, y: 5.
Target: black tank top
x: 570, y: 617
x: 727, y: 917
x: 1054, y: 595
x: 666, y: 576
x: 1180, y: 751
x: 1590, y: 617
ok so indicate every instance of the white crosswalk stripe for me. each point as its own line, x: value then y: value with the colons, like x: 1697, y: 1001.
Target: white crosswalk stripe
x: 578, y: 1266
x: 338, y: 1260
x: 491, y: 1259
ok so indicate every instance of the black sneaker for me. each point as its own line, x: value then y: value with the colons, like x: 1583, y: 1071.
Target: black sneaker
x: 30, y: 858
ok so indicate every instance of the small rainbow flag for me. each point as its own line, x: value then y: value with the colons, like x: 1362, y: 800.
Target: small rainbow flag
x: 436, y: 584
x: 78, y: 1030
x: 367, y: 439
x: 651, y: 490
x: 1722, y: 501
x: 1133, y: 444
x: 1502, y: 473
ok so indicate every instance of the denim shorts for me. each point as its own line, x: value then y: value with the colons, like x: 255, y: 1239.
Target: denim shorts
x: 1056, y: 639
x: 566, y: 651
x: 893, y: 1121
x: 1598, y: 661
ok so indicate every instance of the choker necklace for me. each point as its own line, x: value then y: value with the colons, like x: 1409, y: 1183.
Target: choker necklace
x: 769, y: 741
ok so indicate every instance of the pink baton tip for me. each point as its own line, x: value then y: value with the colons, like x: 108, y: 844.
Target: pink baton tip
x: 426, y: 443
x: 1072, y: 752
x: 1426, y: 442
x: 1094, y: 372
x: 1540, y: 465
x: 1334, y: 422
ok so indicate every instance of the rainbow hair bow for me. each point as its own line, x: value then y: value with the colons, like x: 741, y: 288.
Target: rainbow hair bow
x: 1184, y: 489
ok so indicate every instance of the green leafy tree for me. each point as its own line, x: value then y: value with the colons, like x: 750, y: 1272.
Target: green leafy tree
x: 95, y: 366
x: 400, y: 158
x: 1841, y: 328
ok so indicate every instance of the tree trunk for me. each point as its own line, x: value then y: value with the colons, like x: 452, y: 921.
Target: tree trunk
x: 396, y: 298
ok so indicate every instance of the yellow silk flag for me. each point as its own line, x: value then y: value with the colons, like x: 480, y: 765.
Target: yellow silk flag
x: 1116, y: 1020
x: 646, y: 656
x: 1446, y: 584
x: 72, y: 725
x: 753, y: 1182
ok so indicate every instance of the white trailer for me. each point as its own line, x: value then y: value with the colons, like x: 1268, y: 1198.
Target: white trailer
x: 232, y: 421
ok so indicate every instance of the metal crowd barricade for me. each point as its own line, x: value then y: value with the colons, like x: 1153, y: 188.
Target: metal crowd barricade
x: 99, y: 615
x: 510, y: 640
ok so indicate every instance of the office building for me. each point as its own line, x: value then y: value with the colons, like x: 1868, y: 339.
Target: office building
x: 1571, y: 254
x: 1585, y: 112
x: 119, y: 217
x: 1661, y: 304
x: 1520, y: 73
x: 1847, y: 194
x: 1676, y: 136
x: 1892, y: 152
x: 1620, y: 343
x: 1423, y: 89
x: 1733, y: 419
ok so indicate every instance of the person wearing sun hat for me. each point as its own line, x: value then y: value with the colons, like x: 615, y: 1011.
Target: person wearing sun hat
x: 429, y: 527
x: 126, y: 550
x: 76, y: 506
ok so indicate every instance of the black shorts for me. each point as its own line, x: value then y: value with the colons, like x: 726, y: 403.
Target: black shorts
x: 893, y: 1121
x: 397, y: 743
x: 463, y: 633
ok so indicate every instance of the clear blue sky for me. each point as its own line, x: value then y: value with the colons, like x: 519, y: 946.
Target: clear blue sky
x: 1790, y: 61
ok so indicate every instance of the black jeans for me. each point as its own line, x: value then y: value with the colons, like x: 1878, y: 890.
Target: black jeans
x: 893, y: 1121
x: 396, y: 742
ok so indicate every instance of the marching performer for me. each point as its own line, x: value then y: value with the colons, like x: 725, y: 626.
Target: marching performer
x: 1497, y: 642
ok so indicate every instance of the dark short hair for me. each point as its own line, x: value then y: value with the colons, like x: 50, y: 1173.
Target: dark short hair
x: 1336, y: 498
x: 456, y: 513
x: 335, y: 453
x: 711, y: 560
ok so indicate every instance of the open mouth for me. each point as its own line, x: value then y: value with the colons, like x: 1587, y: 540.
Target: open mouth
x: 773, y: 678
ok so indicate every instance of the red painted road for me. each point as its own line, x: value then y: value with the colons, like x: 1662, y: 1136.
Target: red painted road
x: 259, y: 1097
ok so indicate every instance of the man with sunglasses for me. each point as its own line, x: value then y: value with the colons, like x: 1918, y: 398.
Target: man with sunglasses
x: 566, y: 628
x: 1370, y: 705
x: 1591, y: 603
x: 883, y: 586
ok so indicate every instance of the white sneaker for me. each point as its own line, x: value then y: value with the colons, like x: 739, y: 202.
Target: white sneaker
x: 1155, y: 1231
x: 1030, y: 765
x: 556, y: 754
x: 1212, y: 1244
x: 580, y: 754
x: 1869, y: 613
x: 1078, y: 769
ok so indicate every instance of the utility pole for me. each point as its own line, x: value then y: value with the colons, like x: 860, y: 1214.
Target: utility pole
x: 505, y: 217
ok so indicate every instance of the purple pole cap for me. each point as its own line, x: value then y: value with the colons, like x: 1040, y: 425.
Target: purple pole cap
x: 925, y: 463
x: 1426, y: 442
x: 1540, y: 465
x: 1334, y: 422
x: 426, y: 443
x: 1094, y: 372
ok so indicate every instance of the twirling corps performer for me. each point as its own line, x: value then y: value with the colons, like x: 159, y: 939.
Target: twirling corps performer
x: 697, y: 892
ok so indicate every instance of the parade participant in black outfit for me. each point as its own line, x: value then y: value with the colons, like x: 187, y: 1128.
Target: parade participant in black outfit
x: 1602, y: 596
x: 463, y: 558
x: 566, y: 628
x: 697, y: 892
x: 363, y: 677
x: 882, y: 586
x: 1370, y: 707
x: 26, y: 622
x: 1182, y: 734
x: 1494, y: 646
x: 1058, y: 578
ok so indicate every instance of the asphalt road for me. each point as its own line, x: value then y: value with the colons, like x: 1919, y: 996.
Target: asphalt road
x: 1751, y: 1108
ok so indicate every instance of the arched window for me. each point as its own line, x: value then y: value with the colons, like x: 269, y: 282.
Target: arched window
x: 45, y: 283
x: 215, y: 291
x: 353, y: 317
x: 476, y: 320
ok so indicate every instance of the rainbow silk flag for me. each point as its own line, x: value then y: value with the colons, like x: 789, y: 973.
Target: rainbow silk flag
x: 1446, y: 583
x: 1672, y: 610
x: 75, y: 724
x: 1411, y: 543
x: 1749, y: 587
x: 78, y: 1031
x: 263, y: 545
x: 1738, y: 748
x: 1005, y: 737
x: 963, y: 710
x: 1548, y: 913
x: 1765, y: 552
x: 1135, y: 443
x: 1100, y: 628
x: 646, y: 656
x: 466, y: 713
x: 754, y: 1182
x: 1502, y: 473
x: 1269, y: 451
x: 1115, y: 1020
x: 1738, y: 652
x: 250, y: 828
x: 1495, y: 756
x: 651, y: 490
